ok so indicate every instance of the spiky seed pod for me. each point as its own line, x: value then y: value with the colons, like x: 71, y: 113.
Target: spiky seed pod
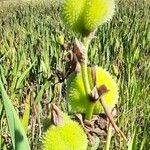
x: 76, y: 95
x: 85, y: 16
x: 67, y: 136
x: 72, y: 13
x: 97, y: 12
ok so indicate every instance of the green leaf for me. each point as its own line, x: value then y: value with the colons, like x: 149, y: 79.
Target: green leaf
x: 41, y: 92
x: 22, y: 77
x: 2, y: 75
x: 26, y: 115
x: 18, y: 136
x: 133, y: 142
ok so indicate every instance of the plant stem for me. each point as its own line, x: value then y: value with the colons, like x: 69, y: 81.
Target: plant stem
x: 107, y: 146
x: 111, y: 119
x: 84, y: 71
x: 89, y: 111
x: 84, y: 68
x: 85, y: 78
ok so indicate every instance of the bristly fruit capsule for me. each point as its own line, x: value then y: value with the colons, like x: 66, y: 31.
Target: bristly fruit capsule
x: 77, y: 97
x: 68, y: 135
x: 97, y: 12
x: 72, y: 13
x: 85, y: 16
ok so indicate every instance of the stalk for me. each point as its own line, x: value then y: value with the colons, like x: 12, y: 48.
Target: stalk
x: 107, y: 146
x: 85, y: 78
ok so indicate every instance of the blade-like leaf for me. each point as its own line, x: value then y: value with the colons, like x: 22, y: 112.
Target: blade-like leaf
x: 26, y: 115
x: 41, y: 92
x: 22, y: 77
x: 132, y: 144
x: 18, y: 136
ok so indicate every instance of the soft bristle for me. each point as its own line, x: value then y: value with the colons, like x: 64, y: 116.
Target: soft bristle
x: 72, y: 12
x: 77, y: 98
x: 85, y: 16
x: 71, y: 133
x: 97, y: 12
x: 52, y: 140
x: 67, y: 136
x: 104, y: 78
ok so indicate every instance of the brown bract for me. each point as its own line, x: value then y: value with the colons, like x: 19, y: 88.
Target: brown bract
x: 57, y: 117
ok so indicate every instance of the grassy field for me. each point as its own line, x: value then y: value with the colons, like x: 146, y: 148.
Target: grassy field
x: 30, y: 55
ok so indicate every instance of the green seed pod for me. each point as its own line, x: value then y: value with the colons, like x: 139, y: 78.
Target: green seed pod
x: 77, y: 97
x: 85, y: 16
x: 72, y: 13
x: 67, y: 136
x: 96, y: 13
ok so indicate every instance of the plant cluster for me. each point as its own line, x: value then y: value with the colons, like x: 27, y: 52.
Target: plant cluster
x: 32, y: 66
x: 90, y: 90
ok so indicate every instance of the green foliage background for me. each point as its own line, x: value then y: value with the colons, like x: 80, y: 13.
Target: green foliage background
x: 29, y: 54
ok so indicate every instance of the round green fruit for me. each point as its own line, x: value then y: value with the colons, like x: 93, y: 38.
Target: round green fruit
x: 72, y: 14
x: 67, y: 136
x: 78, y: 99
x: 97, y: 12
x: 85, y: 16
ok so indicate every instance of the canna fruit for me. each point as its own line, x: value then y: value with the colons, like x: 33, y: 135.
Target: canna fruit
x: 66, y: 136
x: 78, y: 99
x: 96, y: 13
x: 72, y: 14
x: 85, y: 16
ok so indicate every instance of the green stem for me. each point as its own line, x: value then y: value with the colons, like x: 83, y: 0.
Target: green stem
x: 107, y: 146
x: 85, y: 79
x: 89, y: 111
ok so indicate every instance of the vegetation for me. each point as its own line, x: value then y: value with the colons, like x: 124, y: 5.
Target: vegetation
x: 32, y: 62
